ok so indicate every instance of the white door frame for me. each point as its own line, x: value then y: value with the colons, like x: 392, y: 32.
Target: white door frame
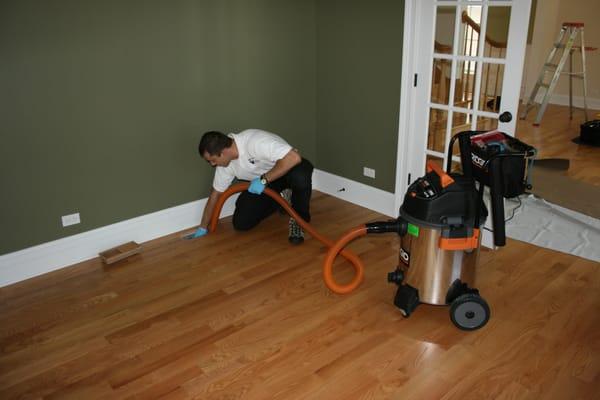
x: 408, y: 144
x: 407, y: 103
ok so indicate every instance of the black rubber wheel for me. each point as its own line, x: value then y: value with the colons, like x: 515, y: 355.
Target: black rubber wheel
x: 469, y: 312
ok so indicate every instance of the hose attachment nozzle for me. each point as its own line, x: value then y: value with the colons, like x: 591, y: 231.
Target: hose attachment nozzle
x: 399, y: 226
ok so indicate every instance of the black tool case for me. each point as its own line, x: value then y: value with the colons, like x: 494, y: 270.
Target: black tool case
x: 498, y: 161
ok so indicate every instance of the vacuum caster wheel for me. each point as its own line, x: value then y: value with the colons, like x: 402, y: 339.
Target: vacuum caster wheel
x: 469, y: 312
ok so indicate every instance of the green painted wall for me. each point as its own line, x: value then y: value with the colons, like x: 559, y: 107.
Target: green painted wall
x: 102, y: 103
x: 359, y: 57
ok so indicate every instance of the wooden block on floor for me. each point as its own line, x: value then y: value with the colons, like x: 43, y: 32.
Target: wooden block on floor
x: 120, y: 252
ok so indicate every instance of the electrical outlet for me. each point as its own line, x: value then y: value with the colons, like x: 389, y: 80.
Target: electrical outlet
x: 369, y: 172
x: 70, y: 219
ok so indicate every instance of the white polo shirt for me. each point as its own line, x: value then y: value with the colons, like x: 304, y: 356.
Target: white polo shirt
x: 258, y: 152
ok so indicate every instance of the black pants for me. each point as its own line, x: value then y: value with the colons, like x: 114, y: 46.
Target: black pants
x: 250, y: 208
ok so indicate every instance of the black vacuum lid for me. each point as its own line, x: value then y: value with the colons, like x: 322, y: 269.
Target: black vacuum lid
x: 431, y: 202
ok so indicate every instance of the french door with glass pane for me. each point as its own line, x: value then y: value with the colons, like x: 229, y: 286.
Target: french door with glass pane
x: 469, y: 62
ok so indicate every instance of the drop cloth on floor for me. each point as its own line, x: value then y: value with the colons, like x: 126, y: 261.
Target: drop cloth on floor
x: 547, y: 225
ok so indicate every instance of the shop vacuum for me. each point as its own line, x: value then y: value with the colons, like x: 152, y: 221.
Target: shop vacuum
x: 439, y: 225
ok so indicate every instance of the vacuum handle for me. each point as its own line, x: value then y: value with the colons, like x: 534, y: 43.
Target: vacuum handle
x: 464, y: 145
x: 466, y: 154
x: 497, y: 200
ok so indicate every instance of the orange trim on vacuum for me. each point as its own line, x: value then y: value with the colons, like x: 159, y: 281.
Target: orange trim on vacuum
x: 445, y: 179
x: 471, y: 242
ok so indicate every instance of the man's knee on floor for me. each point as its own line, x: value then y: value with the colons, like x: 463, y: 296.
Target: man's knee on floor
x: 243, y: 224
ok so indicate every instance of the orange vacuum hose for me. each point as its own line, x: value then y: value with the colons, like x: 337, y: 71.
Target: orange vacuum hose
x: 332, y: 254
x: 335, y: 248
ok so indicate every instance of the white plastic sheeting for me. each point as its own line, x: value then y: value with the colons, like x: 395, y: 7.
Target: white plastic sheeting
x: 547, y: 225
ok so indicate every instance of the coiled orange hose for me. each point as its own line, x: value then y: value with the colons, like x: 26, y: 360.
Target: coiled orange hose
x: 332, y: 254
x: 335, y: 248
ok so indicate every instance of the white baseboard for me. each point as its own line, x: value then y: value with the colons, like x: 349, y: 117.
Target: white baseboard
x: 57, y: 254
x: 355, y: 192
x: 563, y: 100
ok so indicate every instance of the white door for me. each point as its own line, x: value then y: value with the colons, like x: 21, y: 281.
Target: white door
x: 463, y: 61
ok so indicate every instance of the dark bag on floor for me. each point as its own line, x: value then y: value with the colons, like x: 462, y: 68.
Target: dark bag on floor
x: 590, y: 132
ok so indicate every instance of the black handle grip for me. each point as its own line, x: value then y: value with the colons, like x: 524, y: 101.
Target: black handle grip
x: 497, y: 199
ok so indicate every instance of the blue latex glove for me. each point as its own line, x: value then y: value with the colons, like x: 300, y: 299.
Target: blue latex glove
x: 199, y: 233
x: 256, y: 186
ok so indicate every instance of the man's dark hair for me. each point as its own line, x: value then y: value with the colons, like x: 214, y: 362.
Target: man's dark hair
x: 213, y: 143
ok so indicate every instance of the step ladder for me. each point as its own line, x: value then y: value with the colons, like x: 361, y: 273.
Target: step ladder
x: 563, y: 48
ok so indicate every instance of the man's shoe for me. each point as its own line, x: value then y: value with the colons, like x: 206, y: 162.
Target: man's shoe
x: 286, y: 194
x: 296, y: 234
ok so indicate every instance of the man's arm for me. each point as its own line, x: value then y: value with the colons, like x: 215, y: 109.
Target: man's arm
x: 283, y: 165
x: 209, y: 208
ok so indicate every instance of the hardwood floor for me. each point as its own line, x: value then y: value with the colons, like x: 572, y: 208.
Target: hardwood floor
x: 246, y: 315
x: 553, y: 139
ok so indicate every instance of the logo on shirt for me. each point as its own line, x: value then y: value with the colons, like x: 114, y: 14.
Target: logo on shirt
x: 252, y: 160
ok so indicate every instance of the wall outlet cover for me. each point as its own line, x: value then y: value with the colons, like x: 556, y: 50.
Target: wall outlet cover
x: 370, y: 172
x: 70, y: 219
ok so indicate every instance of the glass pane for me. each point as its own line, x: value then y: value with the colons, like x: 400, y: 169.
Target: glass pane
x: 486, y: 124
x: 469, y: 31
x: 461, y: 122
x: 456, y: 167
x: 492, y: 78
x: 436, y: 138
x: 496, y: 36
x: 440, y: 81
x: 465, y: 84
x: 444, y: 29
x: 456, y: 147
